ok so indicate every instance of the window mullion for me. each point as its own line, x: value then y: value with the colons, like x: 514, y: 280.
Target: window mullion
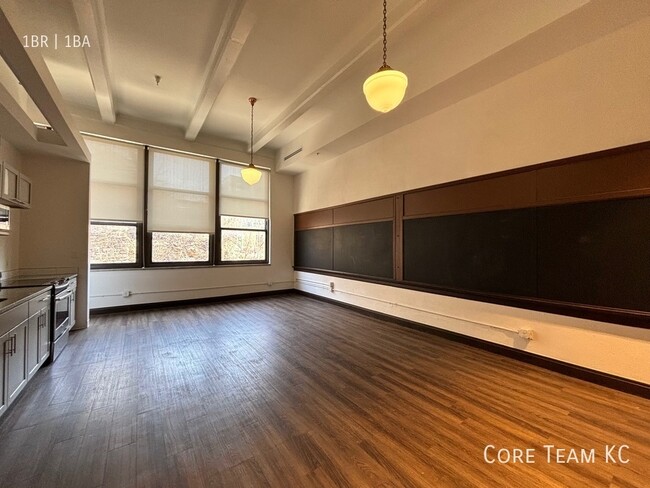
x: 146, y: 241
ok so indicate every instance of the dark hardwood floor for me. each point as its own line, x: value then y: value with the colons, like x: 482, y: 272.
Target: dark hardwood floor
x: 289, y: 392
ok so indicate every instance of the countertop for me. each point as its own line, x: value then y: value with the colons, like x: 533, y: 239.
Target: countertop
x: 12, y: 297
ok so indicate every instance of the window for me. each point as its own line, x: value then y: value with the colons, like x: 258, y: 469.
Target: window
x: 116, y: 204
x: 114, y: 243
x: 179, y: 195
x: 243, y: 239
x: 179, y: 247
x: 181, y: 208
x: 243, y: 216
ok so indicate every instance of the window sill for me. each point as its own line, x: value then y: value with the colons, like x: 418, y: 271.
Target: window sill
x: 157, y: 268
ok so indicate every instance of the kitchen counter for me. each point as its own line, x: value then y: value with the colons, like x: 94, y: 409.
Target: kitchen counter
x: 34, y: 279
x: 12, y: 297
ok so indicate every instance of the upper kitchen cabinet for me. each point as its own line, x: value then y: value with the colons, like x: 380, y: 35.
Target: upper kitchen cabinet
x: 25, y: 190
x: 16, y: 187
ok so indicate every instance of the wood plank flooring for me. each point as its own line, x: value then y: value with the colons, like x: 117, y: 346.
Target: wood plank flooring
x: 287, y: 391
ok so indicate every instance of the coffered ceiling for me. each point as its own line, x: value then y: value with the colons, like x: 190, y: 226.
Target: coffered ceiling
x: 305, y: 60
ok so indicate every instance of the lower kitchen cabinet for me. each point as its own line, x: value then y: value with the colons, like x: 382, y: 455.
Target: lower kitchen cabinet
x: 38, y: 333
x: 24, y: 344
x: 15, y: 348
x: 32, y: 345
x: 3, y: 383
x: 44, y: 336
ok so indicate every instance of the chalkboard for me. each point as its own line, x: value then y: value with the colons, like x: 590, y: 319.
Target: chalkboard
x: 587, y: 254
x: 364, y: 249
x: 313, y: 249
x: 488, y: 252
x: 596, y: 253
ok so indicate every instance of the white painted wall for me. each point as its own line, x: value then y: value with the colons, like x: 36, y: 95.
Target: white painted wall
x: 592, y: 98
x: 54, y: 232
x: 161, y: 285
x: 10, y: 244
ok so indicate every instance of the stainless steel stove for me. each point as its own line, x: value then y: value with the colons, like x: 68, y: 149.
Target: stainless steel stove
x: 63, y: 301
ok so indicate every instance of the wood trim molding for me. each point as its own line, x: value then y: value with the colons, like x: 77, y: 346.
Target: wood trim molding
x: 612, y: 174
x: 398, y: 236
x: 374, y: 210
x: 313, y: 220
x: 597, y: 377
x: 618, y: 175
x: 502, y: 192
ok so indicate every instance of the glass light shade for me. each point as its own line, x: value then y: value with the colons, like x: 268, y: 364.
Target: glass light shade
x: 251, y: 174
x: 385, y: 89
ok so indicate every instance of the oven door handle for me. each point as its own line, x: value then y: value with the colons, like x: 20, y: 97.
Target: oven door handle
x: 62, y: 297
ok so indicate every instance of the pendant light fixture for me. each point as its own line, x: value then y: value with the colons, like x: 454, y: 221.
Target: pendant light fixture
x: 250, y: 173
x: 386, y: 88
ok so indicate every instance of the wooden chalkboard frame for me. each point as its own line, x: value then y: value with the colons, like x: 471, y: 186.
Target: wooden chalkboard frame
x: 613, y: 174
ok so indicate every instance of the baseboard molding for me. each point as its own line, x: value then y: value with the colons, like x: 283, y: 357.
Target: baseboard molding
x: 182, y: 303
x: 597, y: 377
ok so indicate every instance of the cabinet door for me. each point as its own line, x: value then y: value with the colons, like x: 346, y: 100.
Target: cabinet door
x: 32, y: 344
x: 5, y: 347
x: 16, y: 364
x: 73, y: 308
x: 44, y: 336
x: 10, y: 176
x: 25, y: 190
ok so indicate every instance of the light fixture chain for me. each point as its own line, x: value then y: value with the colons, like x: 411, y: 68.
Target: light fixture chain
x: 252, y: 105
x: 385, y: 48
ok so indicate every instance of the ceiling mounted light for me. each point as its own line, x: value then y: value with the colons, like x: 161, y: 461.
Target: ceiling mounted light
x: 250, y: 173
x: 386, y: 88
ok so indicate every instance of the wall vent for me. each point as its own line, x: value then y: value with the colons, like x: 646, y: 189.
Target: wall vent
x: 289, y: 156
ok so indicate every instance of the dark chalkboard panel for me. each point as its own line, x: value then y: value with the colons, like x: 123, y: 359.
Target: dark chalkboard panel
x: 364, y: 249
x: 596, y: 253
x: 488, y: 252
x: 313, y: 248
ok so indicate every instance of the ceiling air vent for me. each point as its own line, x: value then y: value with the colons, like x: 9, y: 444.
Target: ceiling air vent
x: 289, y: 156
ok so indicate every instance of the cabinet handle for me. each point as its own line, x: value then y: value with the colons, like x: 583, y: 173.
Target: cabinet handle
x: 44, y: 299
x: 4, y: 346
x: 9, y: 346
x: 13, y: 338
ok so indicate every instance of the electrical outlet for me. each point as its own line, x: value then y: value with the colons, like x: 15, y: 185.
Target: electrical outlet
x: 269, y: 283
x: 332, y: 286
x: 126, y: 293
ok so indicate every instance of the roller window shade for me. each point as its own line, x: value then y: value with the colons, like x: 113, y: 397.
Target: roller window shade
x: 181, y: 193
x: 238, y: 198
x: 116, y: 180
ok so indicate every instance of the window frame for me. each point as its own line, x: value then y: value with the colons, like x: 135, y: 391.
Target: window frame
x: 138, y: 250
x: 266, y: 242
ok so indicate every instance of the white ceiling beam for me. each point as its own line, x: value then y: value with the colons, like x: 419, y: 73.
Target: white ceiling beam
x: 92, y: 23
x: 303, y: 101
x: 14, y: 118
x: 30, y: 69
x: 235, y: 28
